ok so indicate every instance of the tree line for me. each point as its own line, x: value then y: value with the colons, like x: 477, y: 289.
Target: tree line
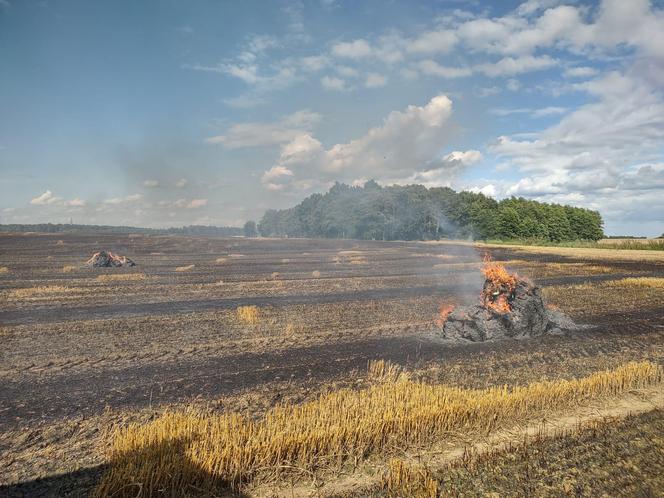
x: 414, y: 212
x: 202, y: 230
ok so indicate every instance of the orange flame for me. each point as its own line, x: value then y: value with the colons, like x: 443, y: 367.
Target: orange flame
x: 499, y: 286
x: 443, y: 313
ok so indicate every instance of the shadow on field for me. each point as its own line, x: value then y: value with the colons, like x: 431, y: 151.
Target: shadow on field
x: 78, y: 483
x: 163, y: 468
x: 165, y: 465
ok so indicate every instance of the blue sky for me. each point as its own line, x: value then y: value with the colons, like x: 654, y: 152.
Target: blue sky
x: 170, y: 113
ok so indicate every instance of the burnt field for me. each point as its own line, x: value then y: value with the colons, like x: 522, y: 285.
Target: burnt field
x: 241, y: 325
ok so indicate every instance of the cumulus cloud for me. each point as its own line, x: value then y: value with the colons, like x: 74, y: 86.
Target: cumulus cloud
x: 513, y: 84
x: 443, y: 171
x: 408, y: 141
x: 489, y: 190
x: 314, y: 63
x: 244, y: 135
x: 247, y: 66
x: 507, y: 66
x: 48, y: 199
x: 432, y: 68
x: 356, y: 49
x: 538, y: 113
x: 151, y: 183
x: 197, y: 203
x: 347, y: 71
x: 76, y: 202
x: 45, y: 198
x: 274, y: 173
x: 375, y: 80
x: 181, y: 183
x: 580, y: 72
x: 466, y: 158
x: 332, y: 83
x: 190, y: 204
x: 498, y: 46
x: 605, y: 154
x: 510, y: 66
x: 129, y: 199
x: 536, y: 25
x: 433, y: 42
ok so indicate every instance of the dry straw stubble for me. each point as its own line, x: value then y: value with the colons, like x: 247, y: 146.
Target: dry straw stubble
x: 181, y: 451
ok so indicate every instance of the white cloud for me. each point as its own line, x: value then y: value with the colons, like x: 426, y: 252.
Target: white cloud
x: 405, y: 139
x: 151, y: 183
x: 433, y: 42
x: 274, y: 173
x: 76, y: 202
x: 513, y: 85
x: 274, y: 187
x: 314, y: 63
x: 432, y: 68
x: 538, y: 113
x: 443, y: 171
x: 604, y: 155
x: 356, y: 49
x: 517, y: 38
x: 408, y: 141
x: 266, y: 134
x: 483, y: 92
x: 301, y: 148
x: 580, y: 72
x: 197, y: 203
x: 347, y: 71
x: 181, y: 183
x: 260, y: 43
x: 532, y: 6
x: 509, y: 66
x: 489, y: 190
x: 129, y: 199
x: 332, y: 83
x: 387, y: 49
x: 190, y: 204
x: 45, y: 198
x: 375, y: 80
x: 464, y: 157
x: 249, y: 72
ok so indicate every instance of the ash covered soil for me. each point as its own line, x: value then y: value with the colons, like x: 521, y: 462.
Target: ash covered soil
x: 82, y: 346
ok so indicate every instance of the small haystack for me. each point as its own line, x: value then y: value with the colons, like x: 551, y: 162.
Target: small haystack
x: 106, y: 259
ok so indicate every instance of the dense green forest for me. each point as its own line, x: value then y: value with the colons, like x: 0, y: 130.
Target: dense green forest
x: 414, y: 212
x: 68, y: 228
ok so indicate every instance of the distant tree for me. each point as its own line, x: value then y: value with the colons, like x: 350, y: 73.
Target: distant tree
x: 250, y: 229
x: 509, y: 222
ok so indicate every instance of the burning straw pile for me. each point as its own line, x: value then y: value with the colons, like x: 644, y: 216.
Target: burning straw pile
x: 509, y: 307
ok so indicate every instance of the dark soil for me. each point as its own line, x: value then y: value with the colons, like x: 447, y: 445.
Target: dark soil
x: 129, y: 378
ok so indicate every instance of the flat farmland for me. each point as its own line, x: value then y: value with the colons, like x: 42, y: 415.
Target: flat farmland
x: 243, y: 325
